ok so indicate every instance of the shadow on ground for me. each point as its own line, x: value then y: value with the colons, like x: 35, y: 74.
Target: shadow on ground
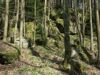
x: 75, y: 66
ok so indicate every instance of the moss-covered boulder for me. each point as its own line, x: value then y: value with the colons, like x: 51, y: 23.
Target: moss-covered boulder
x: 8, y: 54
x: 29, y: 30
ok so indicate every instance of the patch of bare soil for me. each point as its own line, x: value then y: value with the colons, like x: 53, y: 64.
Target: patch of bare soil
x: 10, y: 66
x: 5, y: 46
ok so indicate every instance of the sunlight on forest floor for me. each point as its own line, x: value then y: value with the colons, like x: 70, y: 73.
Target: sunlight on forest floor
x: 34, y: 65
x: 39, y: 62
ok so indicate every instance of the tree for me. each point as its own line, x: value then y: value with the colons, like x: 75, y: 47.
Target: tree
x: 6, y: 21
x: 45, y: 23
x: 98, y: 29
x: 83, y: 21
x: 22, y: 21
x: 35, y: 14
x: 66, y: 33
x: 91, y: 25
x: 17, y: 17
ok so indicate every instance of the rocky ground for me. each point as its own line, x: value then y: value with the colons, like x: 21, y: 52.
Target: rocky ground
x: 30, y: 64
x: 39, y: 62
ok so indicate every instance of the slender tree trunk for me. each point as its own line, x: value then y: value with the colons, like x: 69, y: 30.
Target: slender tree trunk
x: 6, y: 21
x: 91, y: 25
x: 45, y: 20
x: 35, y: 14
x: 98, y: 30
x: 24, y: 28
x: 49, y: 4
x: 83, y: 23
x: 22, y: 21
x: 17, y: 17
x: 66, y: 33
x: 79, y: 31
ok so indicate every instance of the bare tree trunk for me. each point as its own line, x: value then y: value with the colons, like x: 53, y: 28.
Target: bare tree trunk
x: 24, y: 30
x: 79, y: 30
x: 22, y: 21
x: 45, y: 20
x: 66, y: 33
x: 91, y: 25
x: 98, y: 30
x: 6, y: 21
x: 83, y: 19
x: 49, y: 4
x: 17, y: 17
x: 35, y: 14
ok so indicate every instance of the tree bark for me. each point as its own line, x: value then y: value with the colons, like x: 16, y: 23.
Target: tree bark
x: 22, y: 21
x: 91, y: 25
x: 6, y: 21
x: 45, y: 23
x: 98, y: 30
x: 66, y: 33
x: 17, y: 18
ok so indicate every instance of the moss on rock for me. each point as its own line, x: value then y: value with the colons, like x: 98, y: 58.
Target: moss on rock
x: 8, y: 54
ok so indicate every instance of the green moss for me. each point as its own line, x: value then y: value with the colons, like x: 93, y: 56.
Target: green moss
x: 67, y: 66
x: 53, y: 13
x: 8, y: 53
x: 60, y: 21
x: 29, y: 30
x: 87, y: 42
x: 8, y: 57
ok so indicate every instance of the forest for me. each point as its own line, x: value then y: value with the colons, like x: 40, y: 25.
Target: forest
x: 49, y: 37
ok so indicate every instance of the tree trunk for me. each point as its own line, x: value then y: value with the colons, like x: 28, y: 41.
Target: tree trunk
x: 6, y: 21
x: 22, y: 21
x: 45, y: 24
x: 66, y: 33
x: 35, y: 14
x: 91, y: 25
x: 17, y: 17
x: 83, y: 23
x: 98, y: 30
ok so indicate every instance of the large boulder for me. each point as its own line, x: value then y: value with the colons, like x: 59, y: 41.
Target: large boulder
x: 8, y: 53
x: 24, y: 42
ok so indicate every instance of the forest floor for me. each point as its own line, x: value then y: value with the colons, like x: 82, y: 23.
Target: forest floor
x: 37, y: 64
x: 42, y: 62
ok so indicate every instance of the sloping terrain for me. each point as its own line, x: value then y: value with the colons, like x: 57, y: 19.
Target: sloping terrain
x: 37, y: 61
